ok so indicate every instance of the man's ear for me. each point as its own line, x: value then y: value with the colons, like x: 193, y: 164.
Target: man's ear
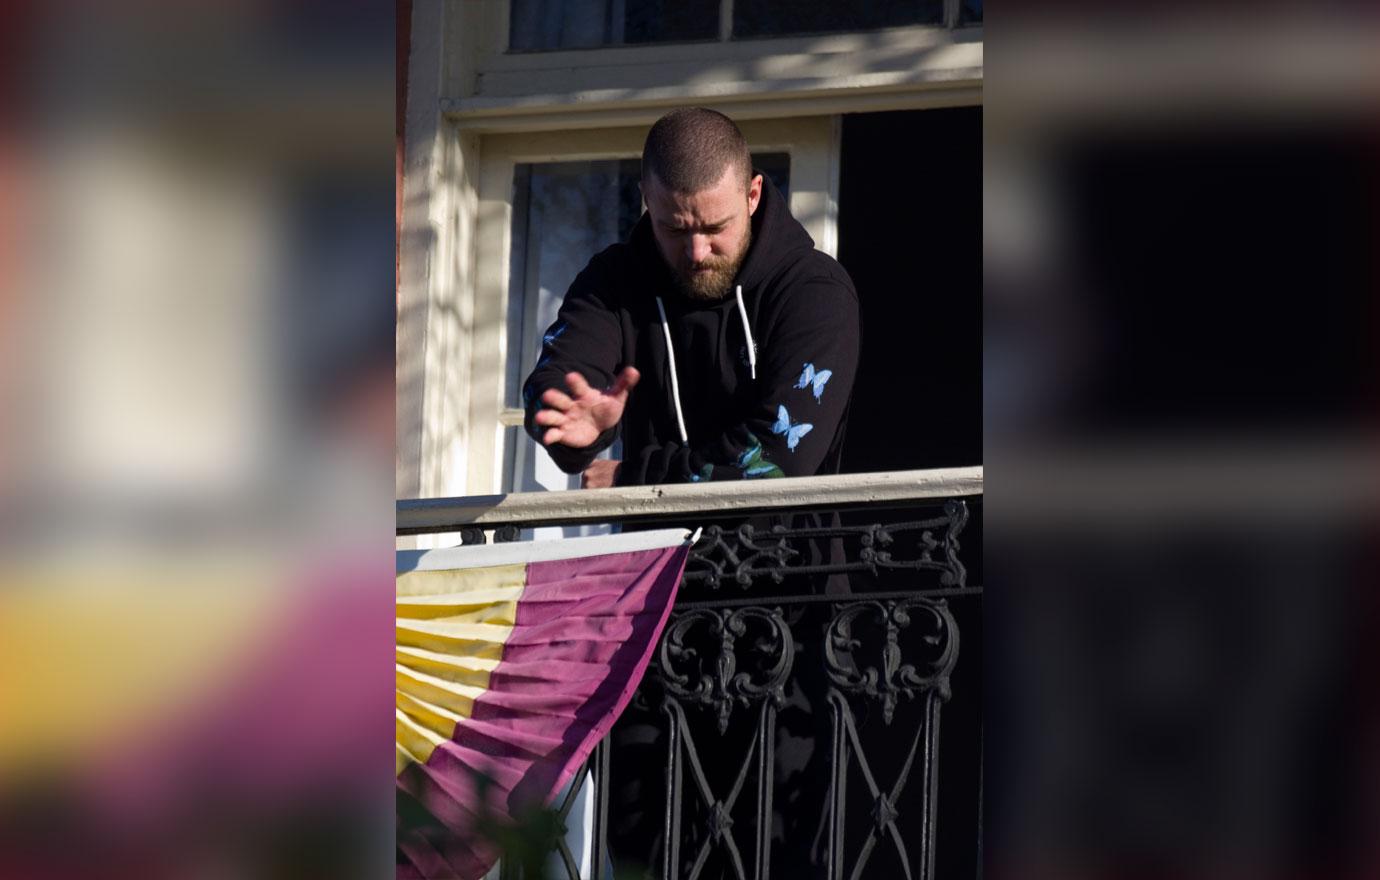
x: 754, y: 193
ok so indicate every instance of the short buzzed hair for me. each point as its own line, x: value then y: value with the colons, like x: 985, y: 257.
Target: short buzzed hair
x: 688, y: 150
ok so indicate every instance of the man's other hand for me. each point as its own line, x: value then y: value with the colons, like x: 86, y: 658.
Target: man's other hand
x: 577, y: 419
x: 599, y: 475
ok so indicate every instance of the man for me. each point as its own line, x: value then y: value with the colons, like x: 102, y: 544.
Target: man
x: 719, y: 340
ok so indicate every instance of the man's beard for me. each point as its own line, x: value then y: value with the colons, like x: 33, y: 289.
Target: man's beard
x: 717, y: 283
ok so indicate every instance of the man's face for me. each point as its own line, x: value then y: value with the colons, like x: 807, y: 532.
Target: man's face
x: 704, y: 236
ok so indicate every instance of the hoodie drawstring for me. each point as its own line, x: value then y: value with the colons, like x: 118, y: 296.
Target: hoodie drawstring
x: 675, y: 383
x: 747, y: 331
x: 671, y: 356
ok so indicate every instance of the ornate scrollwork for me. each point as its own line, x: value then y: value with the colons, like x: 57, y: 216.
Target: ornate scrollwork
x: 745, y: 554
x: 742, y: 554
x: 928, y: 621
x: 700, y: 660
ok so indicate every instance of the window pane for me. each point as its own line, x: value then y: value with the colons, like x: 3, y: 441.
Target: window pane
x: 770, y: 18
x: 584, y: 24
x: 970, y: 12
x: 777, y: 168
x: 664, y: 21
x: 563, y: 214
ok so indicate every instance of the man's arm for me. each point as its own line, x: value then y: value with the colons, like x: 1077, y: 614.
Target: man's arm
x: 805, y: 378
x: 584, y: 343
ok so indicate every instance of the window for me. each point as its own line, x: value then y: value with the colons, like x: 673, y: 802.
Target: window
x: 774, y: 18
x: 584, y: 24
x: 563, y: 214
x: 545, y: 203
x: 544, y: 25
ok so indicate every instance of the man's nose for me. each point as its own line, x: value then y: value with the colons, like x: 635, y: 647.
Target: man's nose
x: 698, y: 249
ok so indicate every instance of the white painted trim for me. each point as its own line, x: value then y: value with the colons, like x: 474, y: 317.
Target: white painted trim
x: 612, y: 505
x: 830, y: 244
x: 425, y: 282
x: 570, y: 117
x: 493, y: 237
x: 885, y: 42
x: 541, y: 94
x: 490, y: 89
x: 525, y: 552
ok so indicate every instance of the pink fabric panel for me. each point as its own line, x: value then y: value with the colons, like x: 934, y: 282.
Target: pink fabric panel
x: 585, y: 631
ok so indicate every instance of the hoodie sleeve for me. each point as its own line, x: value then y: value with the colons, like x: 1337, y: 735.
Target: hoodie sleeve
x: 586, y: 338
x: 805, y: 372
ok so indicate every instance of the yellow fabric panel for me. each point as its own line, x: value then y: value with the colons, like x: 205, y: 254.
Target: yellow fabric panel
x: 437, y: 719
x: 450, y: 631
x: 461, y: 580
x: 401, y: 758
x: 413, y: 738
x: 457, y: 698
x: 474, y: 639
x: 459, y: 669
x: 493, y: 606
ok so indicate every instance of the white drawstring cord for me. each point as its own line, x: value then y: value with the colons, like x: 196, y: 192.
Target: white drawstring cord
x: 675, y: 383
x: 747, y: 331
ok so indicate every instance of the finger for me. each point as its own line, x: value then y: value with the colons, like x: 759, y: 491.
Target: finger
x: 577, y: 384
x: 554, y: 397
x: 550, y: 418
x: 626, y: 381
x: 552, y: 436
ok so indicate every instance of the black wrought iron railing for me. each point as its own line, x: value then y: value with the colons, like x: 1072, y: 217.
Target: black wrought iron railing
x: 789, y: 725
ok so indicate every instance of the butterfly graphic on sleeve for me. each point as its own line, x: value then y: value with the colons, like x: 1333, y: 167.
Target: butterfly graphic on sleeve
x: 553, y: 334
x: 754, y: 465
x: 793, y: 432
x: 547, y: 338
x: 808, y: 377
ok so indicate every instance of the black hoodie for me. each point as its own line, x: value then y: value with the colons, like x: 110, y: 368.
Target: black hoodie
x: 789, y: 421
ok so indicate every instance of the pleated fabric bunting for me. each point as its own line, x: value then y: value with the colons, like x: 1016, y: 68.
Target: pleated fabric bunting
x: 513, y: 661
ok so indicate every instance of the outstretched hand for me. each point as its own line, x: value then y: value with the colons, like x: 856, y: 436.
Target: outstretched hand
x: 577, y: 419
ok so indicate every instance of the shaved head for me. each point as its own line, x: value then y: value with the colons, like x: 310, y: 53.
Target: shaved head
x: 689, y: 149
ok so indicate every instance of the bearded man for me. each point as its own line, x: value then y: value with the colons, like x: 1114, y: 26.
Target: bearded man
x: 720, y: 342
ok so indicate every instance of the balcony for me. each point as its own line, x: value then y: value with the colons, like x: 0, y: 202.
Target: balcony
x: 789, y: 724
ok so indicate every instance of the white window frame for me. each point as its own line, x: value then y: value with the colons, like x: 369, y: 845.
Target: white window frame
x: 812, y: 144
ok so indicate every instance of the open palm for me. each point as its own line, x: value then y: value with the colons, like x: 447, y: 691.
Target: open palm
x: 577, y: 419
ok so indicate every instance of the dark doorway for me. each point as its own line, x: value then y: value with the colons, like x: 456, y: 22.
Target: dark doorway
x: 910, y: 234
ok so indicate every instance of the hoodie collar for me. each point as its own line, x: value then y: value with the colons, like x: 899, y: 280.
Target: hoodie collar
x: 775, y: 236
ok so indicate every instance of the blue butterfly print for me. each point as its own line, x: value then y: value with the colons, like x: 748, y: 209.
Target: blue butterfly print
x: 793, y: 432
x: 553, y: 334
x: 752, y: 463
x: 809, y: 377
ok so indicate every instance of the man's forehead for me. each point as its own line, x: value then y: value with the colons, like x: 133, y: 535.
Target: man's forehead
x: 722, y: 201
